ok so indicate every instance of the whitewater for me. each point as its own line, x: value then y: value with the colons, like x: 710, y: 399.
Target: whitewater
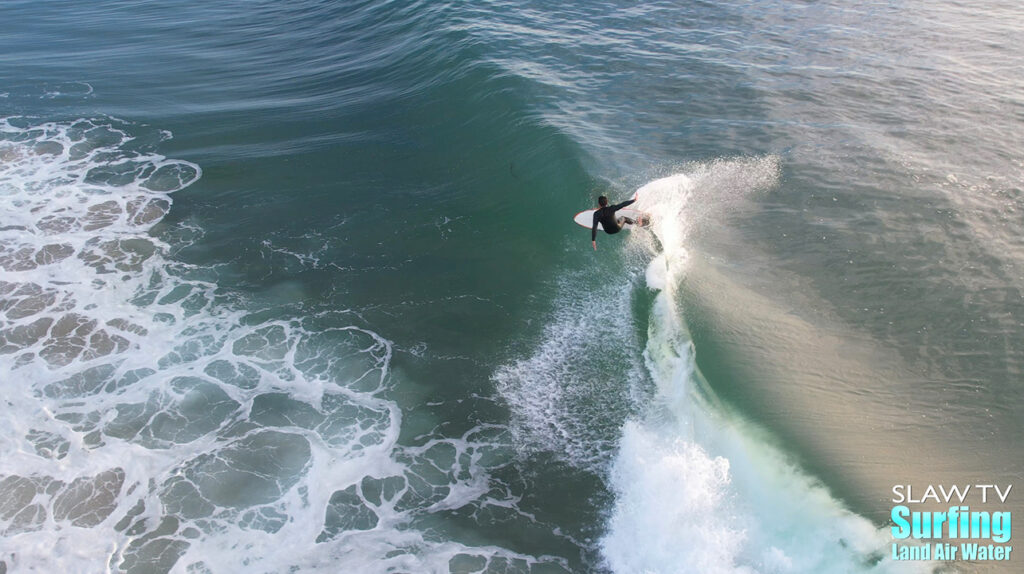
x: 156, y: 424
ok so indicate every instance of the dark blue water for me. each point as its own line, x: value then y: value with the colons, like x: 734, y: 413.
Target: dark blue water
x: 294, y: 286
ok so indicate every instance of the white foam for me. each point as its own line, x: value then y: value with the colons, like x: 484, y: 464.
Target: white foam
x: 153, y: 424
x: 68, y: 89
x: 571, y: 393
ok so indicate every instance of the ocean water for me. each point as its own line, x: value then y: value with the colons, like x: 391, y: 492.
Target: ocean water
x: 294, y: 286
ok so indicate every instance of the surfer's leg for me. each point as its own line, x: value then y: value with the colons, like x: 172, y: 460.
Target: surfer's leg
x: 624, y: 219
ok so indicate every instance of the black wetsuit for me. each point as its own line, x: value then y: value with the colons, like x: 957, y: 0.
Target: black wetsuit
x: 606, y: 217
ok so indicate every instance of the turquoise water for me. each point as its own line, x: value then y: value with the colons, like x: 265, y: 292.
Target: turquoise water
x: 294, y: 286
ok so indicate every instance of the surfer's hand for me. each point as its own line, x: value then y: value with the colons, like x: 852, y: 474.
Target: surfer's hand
x: 594, y: 243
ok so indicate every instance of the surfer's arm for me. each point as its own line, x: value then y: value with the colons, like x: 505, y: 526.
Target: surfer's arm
x: 593, y: 230
x: 624, y: 204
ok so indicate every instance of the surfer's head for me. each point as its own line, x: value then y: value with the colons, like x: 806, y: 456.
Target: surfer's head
x: 602, y: 201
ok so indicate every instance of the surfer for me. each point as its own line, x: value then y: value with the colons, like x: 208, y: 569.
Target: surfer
x: 605, y: 215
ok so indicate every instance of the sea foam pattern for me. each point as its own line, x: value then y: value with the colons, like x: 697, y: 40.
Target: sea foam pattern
x: 156, y: 424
